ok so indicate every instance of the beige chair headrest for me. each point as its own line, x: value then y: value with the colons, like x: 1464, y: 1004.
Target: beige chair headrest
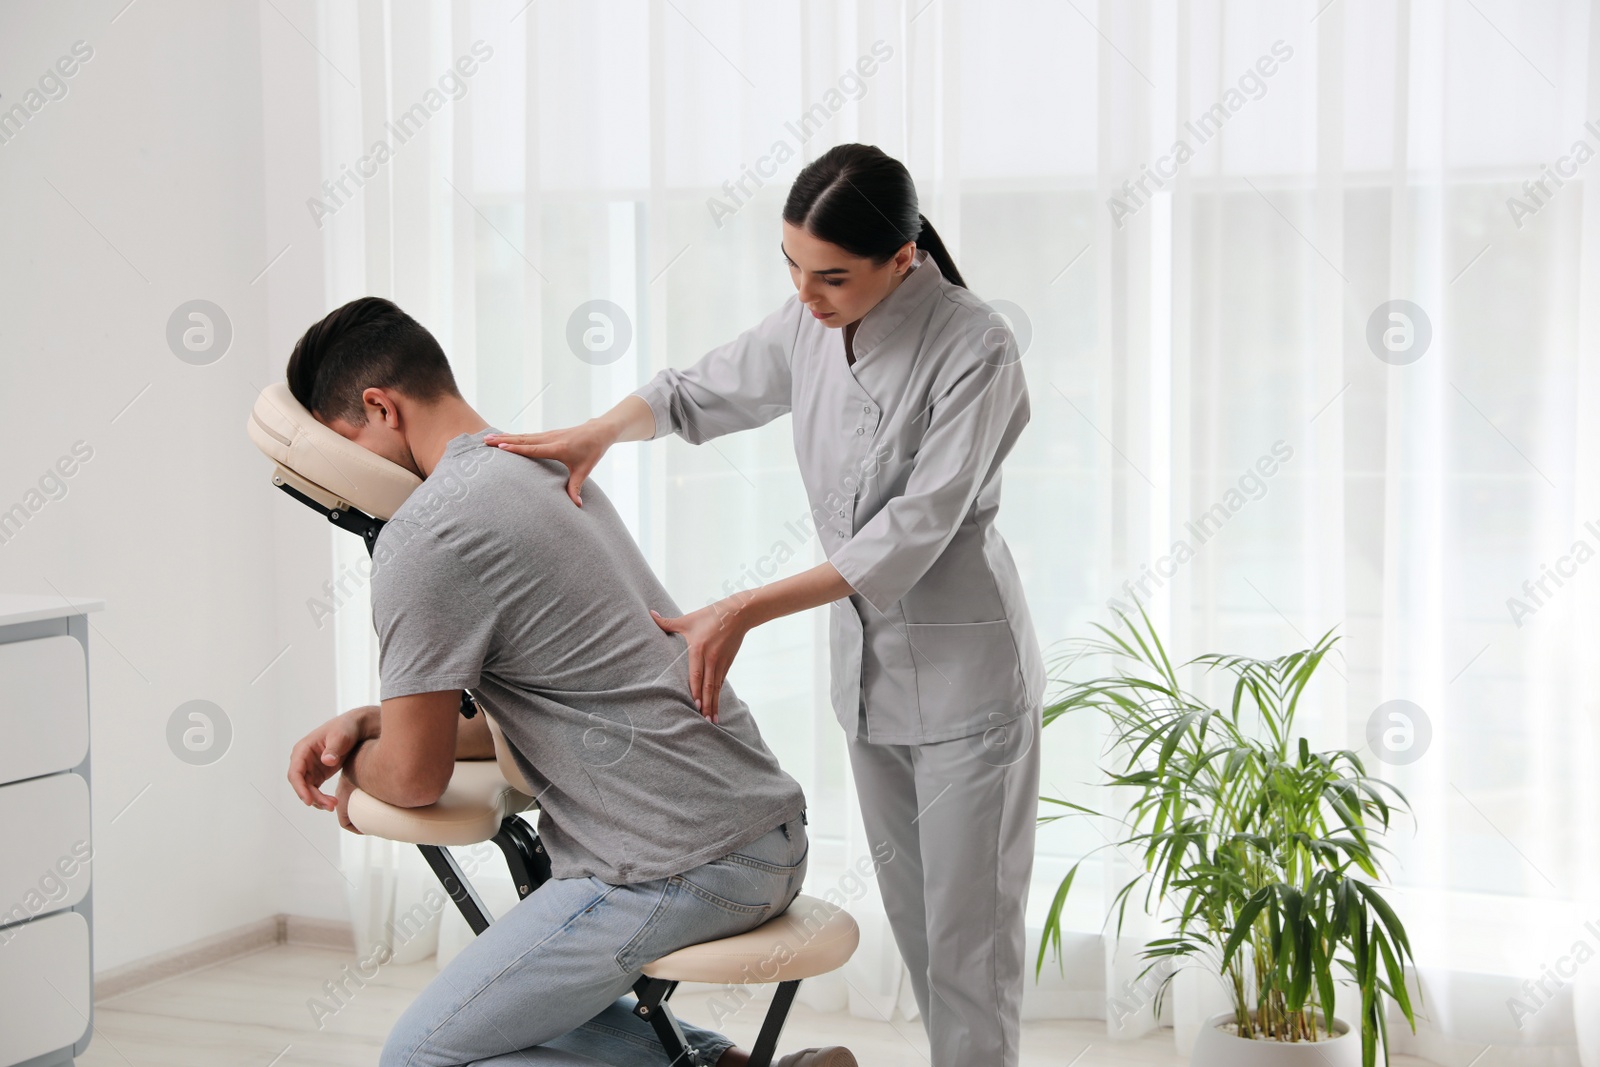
x: 291, y: 437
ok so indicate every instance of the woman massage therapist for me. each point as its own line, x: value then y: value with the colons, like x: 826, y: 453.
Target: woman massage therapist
x: 906, y: 398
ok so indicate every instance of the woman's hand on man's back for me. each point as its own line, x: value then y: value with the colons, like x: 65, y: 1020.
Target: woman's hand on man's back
x: 578, y: 448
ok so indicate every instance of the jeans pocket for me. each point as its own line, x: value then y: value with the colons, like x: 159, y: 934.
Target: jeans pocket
x: 750, y: 884
x: 654, y: 937
x: 746, y: 895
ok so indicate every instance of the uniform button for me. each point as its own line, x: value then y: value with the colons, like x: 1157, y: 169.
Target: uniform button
x: 860, y: 430
x: 867, y: 408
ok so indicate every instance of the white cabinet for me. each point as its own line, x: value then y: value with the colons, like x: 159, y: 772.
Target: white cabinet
x: 44, y: 823
x: 46, y: 848
x: 45, y: 987
x: 44, y: 706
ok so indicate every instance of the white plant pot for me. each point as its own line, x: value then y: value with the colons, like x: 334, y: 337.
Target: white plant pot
x: 1218, y: 1048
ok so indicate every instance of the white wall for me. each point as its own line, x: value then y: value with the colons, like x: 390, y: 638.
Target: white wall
x: 186, y: 167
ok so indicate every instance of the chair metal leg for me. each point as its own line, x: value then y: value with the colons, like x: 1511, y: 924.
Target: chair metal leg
x: 455, y: 883
x: 653, y: 994
x: 525, y: 856
x: 777, y: 1015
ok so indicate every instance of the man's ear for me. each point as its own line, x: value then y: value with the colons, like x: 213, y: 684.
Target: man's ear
x: 380, y: 403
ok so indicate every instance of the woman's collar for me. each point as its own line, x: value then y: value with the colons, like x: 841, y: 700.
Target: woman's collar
x: 920, y: 282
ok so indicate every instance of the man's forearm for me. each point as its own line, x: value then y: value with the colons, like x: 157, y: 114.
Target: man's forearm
x: 368, y: 768
x: 473, y: 739
x: 368, y: 720
x: 370, y: 772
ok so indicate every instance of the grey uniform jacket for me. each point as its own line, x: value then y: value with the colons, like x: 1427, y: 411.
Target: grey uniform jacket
x: 900, y: 455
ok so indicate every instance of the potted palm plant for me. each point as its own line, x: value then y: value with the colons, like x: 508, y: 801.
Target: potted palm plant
x: 1262, y: 853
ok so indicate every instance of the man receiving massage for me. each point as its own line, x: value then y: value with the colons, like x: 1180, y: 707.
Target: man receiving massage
x: 663, y: 828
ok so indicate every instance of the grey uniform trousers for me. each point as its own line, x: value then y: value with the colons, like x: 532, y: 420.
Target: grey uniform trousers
x: 960, y: 816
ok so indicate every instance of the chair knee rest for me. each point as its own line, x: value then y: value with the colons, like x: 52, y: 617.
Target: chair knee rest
x: 476, y: 800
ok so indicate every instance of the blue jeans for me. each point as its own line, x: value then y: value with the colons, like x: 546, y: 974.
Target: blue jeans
x: 547, y: 982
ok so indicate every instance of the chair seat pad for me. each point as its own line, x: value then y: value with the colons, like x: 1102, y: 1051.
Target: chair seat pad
x: 474, y: 802
x: 812, y: 937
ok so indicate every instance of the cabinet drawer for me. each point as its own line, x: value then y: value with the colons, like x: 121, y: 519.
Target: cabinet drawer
x: 45, y: 826
x: 44, y: 707
x: 44, y: 986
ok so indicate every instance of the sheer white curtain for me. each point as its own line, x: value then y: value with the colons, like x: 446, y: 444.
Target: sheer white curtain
x: 1185, y: 311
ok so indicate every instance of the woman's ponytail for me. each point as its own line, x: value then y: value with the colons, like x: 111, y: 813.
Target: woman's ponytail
x: 929, y: 239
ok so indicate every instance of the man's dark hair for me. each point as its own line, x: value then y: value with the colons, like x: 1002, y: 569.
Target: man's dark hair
x: 367, y: 343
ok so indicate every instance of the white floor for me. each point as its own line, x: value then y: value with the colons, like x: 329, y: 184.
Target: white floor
x: 253, y: 1012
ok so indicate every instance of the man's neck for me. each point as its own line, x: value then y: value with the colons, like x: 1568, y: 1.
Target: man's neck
x: 436, y: 426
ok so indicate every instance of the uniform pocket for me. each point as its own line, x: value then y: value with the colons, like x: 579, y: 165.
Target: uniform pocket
x: 845, y: 639
x: 968, y: 676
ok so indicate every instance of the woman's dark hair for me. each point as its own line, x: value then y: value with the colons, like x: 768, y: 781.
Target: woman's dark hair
x: 367, y: 343
x: 861, y: 199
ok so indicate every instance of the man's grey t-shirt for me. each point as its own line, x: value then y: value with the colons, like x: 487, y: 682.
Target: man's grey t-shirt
x: 489, y: 578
